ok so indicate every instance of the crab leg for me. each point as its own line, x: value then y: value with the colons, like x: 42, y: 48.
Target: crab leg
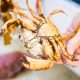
x: 32, y: 13
x: 57, y: 55
x: 26, y: 16
x: 68, y: 37
x: 28, y: 24
x: 52, y: 13
x: 63, y: 48
x: 37, y: 64
x: 48, y: 49
x: 10, y: 25
x: 54, y: 28
x: 55, y: 12
x: 39, y: 8
x: 7, y: 28
x: 16, y: 6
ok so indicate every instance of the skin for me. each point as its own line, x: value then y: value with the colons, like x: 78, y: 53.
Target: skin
x: 73, y: 45
x: 10, y: 65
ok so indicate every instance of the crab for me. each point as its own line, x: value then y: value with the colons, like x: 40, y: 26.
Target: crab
x: 41, y: 38
x: 5, y: 7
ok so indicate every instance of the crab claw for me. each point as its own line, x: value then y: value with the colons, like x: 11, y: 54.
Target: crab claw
x: 37, y: 64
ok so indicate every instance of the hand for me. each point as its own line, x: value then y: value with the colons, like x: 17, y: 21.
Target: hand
x: 73, y: 45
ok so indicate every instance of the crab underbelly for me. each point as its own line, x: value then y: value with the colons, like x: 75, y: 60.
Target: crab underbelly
x: 32, y: 44
x: 37, y: 50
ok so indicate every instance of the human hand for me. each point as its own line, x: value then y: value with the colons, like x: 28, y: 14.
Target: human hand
x: 73, y: 45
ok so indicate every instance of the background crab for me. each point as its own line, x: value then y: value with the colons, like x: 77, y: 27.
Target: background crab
x: 41, y: 38
x: 5, y: 8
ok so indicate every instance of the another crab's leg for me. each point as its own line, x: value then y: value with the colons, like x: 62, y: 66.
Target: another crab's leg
x: 57, y: 52
x: 32, y: 13
x: 63, y: 48
x: 7, y: 28
x: 39, y: 8
x: 68, y: 37
x: 10, y: 25
x: 37, y: 64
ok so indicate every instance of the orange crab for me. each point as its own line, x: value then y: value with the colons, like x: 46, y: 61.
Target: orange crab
x: 42, y: 40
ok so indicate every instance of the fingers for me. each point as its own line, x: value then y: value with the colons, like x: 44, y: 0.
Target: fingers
x: 73, y: 44
x: 77, y: 51
x: 77, y: 57
x: 74, y: 63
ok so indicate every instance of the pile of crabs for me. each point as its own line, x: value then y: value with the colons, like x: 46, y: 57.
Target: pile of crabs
x: 41, y: 38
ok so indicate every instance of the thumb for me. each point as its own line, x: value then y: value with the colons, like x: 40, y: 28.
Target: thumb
x: 73, y: 44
